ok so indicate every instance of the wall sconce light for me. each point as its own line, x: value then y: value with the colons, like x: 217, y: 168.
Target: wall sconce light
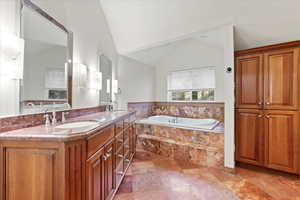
x: 108, y: 86
x: 95, y: 80
x: 11, y: 56
x: 115, y: 88
x: 80, y: 75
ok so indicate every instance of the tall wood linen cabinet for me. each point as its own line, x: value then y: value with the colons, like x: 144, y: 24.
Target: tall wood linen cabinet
x: 267, y: 106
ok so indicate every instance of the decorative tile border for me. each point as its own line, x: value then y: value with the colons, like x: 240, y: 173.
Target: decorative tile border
x: 180, y: 109
x: 26, y: 121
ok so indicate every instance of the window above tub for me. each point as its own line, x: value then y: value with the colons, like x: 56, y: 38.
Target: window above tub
x: 196, y: 84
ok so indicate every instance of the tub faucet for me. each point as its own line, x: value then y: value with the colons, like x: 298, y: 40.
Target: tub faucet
x: 175, y: 120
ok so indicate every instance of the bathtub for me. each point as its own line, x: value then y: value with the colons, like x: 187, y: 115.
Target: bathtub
x: 180, y: 122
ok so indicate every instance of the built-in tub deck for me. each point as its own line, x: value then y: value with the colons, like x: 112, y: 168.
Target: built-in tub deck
x: 200, y: 141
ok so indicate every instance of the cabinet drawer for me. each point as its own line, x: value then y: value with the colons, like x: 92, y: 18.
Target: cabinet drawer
x: 119, y: 160
x: 127, y: 122
x: 126, y: 134
x: 95, y: 142
x: 119, y: 126
x: 119, y: 141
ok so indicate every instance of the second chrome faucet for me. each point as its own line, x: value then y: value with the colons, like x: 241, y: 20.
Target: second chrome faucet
x: 53, y: 120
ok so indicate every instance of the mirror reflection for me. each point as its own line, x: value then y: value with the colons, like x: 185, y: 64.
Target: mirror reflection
x: 106, y: 70
x: 45, y: 64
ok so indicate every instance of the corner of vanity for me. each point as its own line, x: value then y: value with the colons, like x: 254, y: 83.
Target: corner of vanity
x: 87, y: 166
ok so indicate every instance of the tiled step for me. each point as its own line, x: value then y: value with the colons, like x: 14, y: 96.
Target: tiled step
x: 198, y: 154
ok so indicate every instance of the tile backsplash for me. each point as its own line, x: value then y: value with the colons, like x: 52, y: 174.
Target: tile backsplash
x: 26, y: 121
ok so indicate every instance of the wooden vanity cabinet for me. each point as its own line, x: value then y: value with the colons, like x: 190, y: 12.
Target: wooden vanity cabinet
x: 84, y: 169
x: 267, y: 106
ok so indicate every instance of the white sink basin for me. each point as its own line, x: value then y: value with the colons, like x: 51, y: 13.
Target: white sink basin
x: 73, y: 125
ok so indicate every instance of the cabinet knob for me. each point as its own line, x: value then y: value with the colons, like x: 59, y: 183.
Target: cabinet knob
x: 120, y: 173
x: 120, y: 156
x: 268, y: 116
x: 260, y: 115
x: 104, y: 157
x: 268, y: 103
x: 260, y: 103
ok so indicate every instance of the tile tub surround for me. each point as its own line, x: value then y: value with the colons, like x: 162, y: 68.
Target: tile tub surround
x: 26, y: 121
x: 198, y: 147
x: 198, y: 110
x: 143, y: 109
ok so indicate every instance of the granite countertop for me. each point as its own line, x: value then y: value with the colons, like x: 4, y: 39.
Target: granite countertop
x: 52, y: 133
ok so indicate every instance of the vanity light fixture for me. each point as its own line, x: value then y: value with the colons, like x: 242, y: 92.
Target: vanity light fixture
x: 108, y: 86
x: 95, y: 80
x: 81, y: 75
x: 11, y: 56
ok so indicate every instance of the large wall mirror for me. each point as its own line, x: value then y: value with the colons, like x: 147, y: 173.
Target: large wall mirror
x: 47, y: 74
x: 106, y: 70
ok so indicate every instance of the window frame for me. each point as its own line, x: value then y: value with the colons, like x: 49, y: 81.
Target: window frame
x: 169, y: 91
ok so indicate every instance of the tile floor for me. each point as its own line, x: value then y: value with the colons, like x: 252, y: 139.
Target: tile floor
x: 152, y: 177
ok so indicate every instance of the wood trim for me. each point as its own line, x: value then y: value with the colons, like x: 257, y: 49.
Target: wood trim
x: 268, y: 48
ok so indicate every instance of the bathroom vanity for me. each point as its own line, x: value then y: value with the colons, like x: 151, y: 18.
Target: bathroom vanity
x: 79, y: 163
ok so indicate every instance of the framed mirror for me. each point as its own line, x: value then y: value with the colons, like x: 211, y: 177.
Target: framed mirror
x: 106, y: 70
x: 48, y: 62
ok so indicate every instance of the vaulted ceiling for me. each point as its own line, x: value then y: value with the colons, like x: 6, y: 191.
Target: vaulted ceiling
x: 141, y: 24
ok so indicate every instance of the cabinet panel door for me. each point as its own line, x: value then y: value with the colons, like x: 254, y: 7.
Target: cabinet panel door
x: 282, y: 140
x: 249, y: 136
x: 109, y: 166
x: 249, y: 81
x: 95, y: 176
x: 31, y: 174
x: 281, y: 79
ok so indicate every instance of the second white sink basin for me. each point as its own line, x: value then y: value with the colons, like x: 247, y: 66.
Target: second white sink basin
x: 73, y: 125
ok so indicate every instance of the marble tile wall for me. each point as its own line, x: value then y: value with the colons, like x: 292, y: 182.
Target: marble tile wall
x: 198, y: 147
x: 180, y: 109
x: 26, y: 121
x: 143, y: 109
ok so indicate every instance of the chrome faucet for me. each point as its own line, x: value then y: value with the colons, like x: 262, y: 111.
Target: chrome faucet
x: 46, y: 116
x: 63, y: 116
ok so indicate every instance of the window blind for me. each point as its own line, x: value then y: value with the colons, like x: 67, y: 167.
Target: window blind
x: 194, y: 79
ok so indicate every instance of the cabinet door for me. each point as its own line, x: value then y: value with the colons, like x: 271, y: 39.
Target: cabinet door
x: 249, y: 81
x: 282, y: 140
x: 281, y: 79
x: 109, y: 166
x: 95, y: 176
x: 249, y: 136
x: 32, y: 174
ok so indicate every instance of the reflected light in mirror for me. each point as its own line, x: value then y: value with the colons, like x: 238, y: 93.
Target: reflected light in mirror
x: 115, y: 87
x: 11, y: 56
x: 108, y: 85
